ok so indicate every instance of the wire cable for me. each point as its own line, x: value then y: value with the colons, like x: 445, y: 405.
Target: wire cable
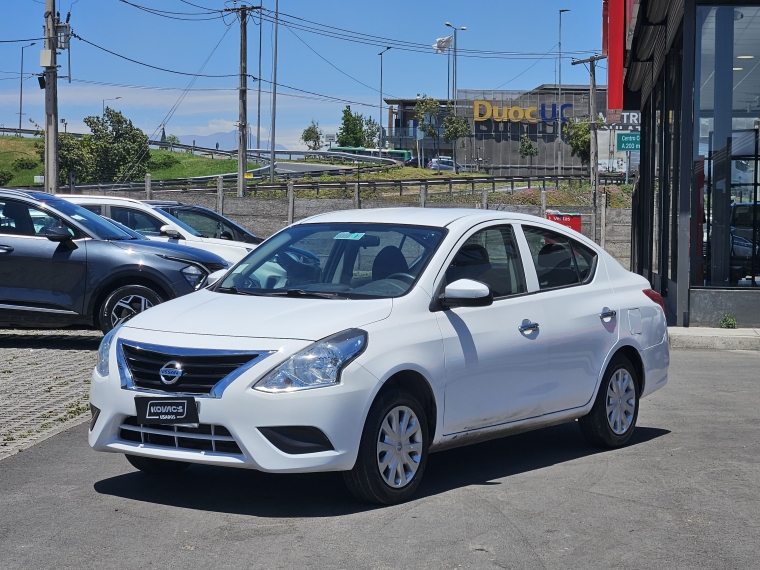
x: 521, y: 73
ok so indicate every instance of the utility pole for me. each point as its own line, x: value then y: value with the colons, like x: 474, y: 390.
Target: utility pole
x: 274, y: 90
x: 48, y: 61
x: 380, y: 138
x: 258, y: 97
x: 559, y: 98
x: 243, y: 104
x: 594, y: 158
x: 21, y: 89
x: 454, y: 89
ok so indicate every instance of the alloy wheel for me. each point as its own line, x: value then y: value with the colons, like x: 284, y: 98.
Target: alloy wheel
x: 399, y: 447
x: 127, y: 307
x: 621, y: 401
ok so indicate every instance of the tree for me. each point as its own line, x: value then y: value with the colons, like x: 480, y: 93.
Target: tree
x: 426, y: 112
x: 115, y: 150
x: 454, y: 128
x: 351, y: 132
x: 371, y: 133
x: 312, y: 136
x: 527, y: 148
x: 577, y: 133
x: 172, y: 140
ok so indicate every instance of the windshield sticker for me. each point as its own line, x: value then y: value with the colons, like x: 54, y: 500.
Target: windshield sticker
x: 349, y: 235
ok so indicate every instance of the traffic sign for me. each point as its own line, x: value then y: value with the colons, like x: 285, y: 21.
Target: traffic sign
x: 330, y: 138
x: 628, y: 141
x: 420, y: 134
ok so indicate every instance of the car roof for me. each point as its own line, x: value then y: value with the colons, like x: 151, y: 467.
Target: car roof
x: 98, y: 199
x: 436, y: 217
x: 163, y: 203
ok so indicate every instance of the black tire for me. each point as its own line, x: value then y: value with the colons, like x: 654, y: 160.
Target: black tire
x: 153, y: 466
x: 124, y: 303
x: 365, y: 480
x: 596, y: 427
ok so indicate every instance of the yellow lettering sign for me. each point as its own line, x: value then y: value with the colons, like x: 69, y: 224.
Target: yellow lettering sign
x: 530, y: 114
x: 487, y: 113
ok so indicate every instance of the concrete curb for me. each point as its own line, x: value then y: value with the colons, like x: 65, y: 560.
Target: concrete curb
x: 714, y: 339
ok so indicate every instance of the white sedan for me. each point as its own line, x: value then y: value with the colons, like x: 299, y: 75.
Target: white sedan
x: 360, y: 341
x: 157, y: 224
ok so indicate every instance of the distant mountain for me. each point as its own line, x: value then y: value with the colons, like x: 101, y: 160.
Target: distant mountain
x: 227, y: 141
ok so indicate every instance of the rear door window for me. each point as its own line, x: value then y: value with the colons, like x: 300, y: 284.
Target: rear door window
x: 136, y: 220
x: 559, y: 260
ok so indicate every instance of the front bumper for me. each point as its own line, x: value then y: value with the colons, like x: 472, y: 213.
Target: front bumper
x: 338, y: 411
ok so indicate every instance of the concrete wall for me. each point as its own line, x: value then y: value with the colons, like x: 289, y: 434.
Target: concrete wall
x: 266, y: 216
x: 707, y: 306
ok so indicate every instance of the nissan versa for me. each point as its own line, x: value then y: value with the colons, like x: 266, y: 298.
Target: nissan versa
x: 405, y: 331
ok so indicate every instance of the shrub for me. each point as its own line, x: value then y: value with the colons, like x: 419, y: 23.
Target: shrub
x: 162, y: 161
x: 24, y: 163
x: 727, y: 322
x: 5, y: 177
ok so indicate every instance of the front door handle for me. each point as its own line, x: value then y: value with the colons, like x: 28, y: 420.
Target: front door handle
x: 528, y: 327
x: 6, y: 248
x: 607, y: 314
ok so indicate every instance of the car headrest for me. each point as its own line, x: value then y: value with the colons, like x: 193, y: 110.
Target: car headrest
x: 471, y: 254
x: 390, y: 260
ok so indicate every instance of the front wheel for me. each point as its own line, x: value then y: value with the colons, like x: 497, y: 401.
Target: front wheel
x: 611, y: 421
x: 392, y: 451
x: 125, y: 303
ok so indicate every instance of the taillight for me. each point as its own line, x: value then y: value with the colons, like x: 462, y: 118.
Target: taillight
x: 656, y: 297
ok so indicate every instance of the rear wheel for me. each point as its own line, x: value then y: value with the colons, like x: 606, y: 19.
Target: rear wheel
x: 124, y: 303
x: 611, y: 421
x: 154, y: 466
x: 392, y: 451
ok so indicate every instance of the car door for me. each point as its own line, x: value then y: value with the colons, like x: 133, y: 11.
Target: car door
x: 581, y: 314
x: 494, y: 356
x: 36, y: 273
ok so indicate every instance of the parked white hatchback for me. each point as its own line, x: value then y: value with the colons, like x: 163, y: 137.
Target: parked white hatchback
x: 157, y: 224
x: 398, y: 333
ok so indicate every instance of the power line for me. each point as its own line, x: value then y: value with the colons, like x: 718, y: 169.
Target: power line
x: 194, y: 16
x: 521, y: 73
x: 19, y: 41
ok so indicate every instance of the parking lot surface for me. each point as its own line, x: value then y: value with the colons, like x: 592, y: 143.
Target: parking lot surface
x: 684, y: 494
x: 44, y: 383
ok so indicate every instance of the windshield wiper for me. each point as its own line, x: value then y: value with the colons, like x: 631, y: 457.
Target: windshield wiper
x: 316, y: 294
x: 235, y: 291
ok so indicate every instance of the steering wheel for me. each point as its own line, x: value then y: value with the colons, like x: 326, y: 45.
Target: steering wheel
x: 242, y: 282
x: 405, y: 277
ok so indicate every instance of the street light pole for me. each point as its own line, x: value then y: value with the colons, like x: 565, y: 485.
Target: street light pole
x: 21, y: 88
x: 559, y: 98
x: 454, y: 90
x: 104, y: 104
x: 381, y: 98
x: 274, y: 91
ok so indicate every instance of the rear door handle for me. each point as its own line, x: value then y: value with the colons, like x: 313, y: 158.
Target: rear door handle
x: 528, y: 327
x: 608, y: 314
x: 6, y: 248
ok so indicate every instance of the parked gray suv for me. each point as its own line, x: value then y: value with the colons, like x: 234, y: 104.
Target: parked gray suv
x: 62, y: 265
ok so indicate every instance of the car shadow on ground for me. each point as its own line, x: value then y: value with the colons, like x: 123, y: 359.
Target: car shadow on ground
x: 247, y: 492
x: 51, y: 341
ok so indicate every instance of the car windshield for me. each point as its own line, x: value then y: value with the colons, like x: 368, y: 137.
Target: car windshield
x: 347, y: 260
x: 180, y: 223
x: 95, y: 224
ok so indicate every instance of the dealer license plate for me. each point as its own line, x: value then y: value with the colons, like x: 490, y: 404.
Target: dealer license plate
x: 181, y: 410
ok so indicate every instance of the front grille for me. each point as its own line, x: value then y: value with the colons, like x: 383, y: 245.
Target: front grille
x: 200, y: 372
x: 206, y: 437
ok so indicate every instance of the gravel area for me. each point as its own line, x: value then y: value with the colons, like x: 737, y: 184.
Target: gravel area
x: 44, y: 384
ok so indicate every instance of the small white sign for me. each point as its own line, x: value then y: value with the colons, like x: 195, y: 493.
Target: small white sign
x: 329, y: 138
x: 39, y: 179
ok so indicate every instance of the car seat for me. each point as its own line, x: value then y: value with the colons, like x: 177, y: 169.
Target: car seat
x: 22, y: 221
x: 390, y: 260
x: 470, y: 262
x: 555, y: 266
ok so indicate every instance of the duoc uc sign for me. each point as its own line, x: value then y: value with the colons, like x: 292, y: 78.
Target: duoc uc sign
x: 483, y: 111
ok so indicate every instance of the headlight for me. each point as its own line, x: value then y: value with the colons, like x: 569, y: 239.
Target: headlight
x: 105, y: 348
x: 316, y: 366
x: 193, y: 275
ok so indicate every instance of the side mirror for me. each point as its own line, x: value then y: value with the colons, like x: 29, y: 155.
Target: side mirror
x: 170, y: 232
x: 226, y: 235
x: 467, y: 293
x: 215, y: 276
x: 58, y: 234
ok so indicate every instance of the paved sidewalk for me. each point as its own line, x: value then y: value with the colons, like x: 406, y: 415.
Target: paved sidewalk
x: 714, y: 338
x: 44, y: 384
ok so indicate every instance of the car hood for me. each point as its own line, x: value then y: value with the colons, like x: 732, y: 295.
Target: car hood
x: 170, y: 249
x: 222, y: 314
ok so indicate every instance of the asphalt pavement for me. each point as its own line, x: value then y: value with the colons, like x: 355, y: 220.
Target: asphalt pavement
x: 684, y: 494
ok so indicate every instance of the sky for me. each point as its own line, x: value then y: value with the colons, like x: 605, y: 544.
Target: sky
x: 317, y: 63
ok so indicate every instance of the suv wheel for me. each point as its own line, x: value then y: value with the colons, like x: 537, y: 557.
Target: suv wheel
x: 125, y: 303
x: 392, y: 452
x: 611, y: 421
